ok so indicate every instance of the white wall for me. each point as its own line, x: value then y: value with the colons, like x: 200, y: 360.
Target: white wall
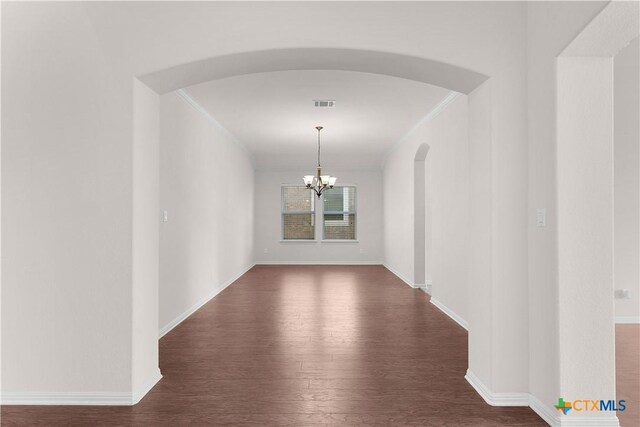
x: 480, y: 230
x: 367, y: 249
x: 498, y: 321
x: 420, y: 242
x: 447, y: 169
x: 510, y: 341
x: 550, y: 27
x: 67, y: 206
x: 585, y: 228
x: 626, y: 181
x: 206, y: 182
x: 447, y: 164
x: 146, y: 194
x: 0, y: 207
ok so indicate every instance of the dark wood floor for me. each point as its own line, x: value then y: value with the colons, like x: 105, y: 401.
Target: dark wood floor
x: 306, y: 345
x: 628, y: 373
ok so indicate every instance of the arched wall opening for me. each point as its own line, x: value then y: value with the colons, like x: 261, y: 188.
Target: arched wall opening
x: 420, y: 220
x: 383, y: 63
x: 376, y: 62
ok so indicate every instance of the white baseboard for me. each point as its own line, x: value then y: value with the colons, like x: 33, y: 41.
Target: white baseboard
x: 496, y: 399
x: 81, y: 398
x: 571, y: 420
x: 188, y: 312
x: 452, y: 314
x: 137, y: 395
x: 318, y: 263
x: 556, y: 419
x: 550, y: 415
x: 424, y: 287
x: 547, y: 412
x: 626, y: 320
x: 404, y: 279
x: 70, y: 398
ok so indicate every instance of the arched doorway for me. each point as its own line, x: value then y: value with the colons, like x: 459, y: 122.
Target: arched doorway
x: 421, y: 223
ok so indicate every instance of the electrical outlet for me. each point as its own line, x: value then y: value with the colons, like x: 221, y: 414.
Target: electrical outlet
x: 165, y: 216
x: 266, y: 250
x: 623, y: 294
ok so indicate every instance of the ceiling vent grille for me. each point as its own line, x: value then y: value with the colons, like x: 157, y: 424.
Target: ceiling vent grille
x: 325, y: 103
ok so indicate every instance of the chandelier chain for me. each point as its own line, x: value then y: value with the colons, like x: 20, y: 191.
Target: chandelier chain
x: 319, y: 182
x: 319, y: 128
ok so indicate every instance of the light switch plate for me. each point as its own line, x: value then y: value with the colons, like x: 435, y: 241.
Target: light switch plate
x: 541, y: 217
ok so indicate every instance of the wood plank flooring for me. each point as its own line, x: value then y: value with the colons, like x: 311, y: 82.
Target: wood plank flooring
x: 628, y: 373
x: 304, y: 346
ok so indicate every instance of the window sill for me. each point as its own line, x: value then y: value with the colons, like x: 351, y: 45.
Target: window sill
x: 319, y: 241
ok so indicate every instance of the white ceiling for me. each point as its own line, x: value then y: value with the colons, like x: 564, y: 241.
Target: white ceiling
x: 273, y: 115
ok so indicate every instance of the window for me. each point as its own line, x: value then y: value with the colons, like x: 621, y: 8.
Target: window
x: 298, y: 213
x: 339, y: 213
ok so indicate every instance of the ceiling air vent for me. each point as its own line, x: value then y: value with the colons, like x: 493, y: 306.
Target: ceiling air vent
x: 324, y: 103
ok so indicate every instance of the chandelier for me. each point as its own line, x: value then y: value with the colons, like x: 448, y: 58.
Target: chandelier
x: 320, y: 182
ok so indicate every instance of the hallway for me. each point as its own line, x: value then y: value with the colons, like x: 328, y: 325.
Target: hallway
x: 306, y: 345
